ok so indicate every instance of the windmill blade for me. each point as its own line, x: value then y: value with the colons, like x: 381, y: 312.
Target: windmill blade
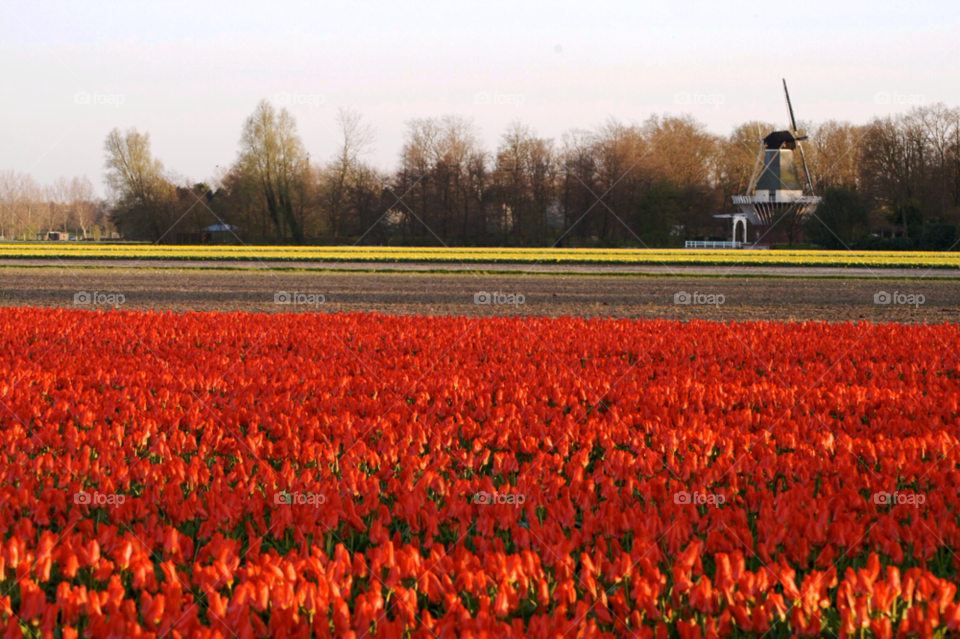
x: 756, y: 165
x: 793, y: 121
x: 803, y: 160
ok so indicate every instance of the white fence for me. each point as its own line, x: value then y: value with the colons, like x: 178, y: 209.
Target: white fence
x: 712, y: 245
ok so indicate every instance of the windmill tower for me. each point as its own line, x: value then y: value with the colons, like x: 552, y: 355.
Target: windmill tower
x: 776, y: 196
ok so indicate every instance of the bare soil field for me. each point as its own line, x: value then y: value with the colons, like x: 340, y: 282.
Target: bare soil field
x: 403, y: 291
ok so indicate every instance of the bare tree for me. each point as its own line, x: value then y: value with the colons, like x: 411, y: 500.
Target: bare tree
x: 890, y: 168
x: 83, y: 205
x: 456, y: 143
x: 617, y: 148
x: 144, y: 199
x: 511, y: 177
x: 940, y: 128
x: 418, y: 160
x: 366, y: 199
x: 59, y: 199
x: 356, y: 140
x: 834, y: 155
x: 578, y: 177
x: 682, y: 193
x: 273, y: 158
x: 10, y: 189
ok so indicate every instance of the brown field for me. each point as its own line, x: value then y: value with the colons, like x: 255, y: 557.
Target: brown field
x: 591, y: 293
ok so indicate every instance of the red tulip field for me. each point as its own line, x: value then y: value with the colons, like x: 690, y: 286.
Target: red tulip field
x: 363, y: 475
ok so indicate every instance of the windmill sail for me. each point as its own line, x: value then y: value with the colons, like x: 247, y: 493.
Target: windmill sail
x: 793, y: 123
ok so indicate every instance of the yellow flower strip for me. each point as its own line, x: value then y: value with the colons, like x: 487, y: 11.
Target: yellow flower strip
x: 103, y: 251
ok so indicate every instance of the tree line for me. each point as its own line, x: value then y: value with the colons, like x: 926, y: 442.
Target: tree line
x: 893, y: 182
x: 28, y: 208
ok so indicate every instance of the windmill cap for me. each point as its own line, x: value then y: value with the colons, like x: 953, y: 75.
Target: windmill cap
x: 780, y: 140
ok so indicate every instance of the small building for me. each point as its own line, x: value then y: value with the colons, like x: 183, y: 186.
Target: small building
x: 55, y: 236
x: 219, y: 234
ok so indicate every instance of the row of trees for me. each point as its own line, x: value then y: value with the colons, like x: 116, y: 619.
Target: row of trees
x: 28, y: 209
x: 657, y: 183
x: 654, y: 183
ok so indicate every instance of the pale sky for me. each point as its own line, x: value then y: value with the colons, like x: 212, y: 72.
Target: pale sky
x: 190, y: 72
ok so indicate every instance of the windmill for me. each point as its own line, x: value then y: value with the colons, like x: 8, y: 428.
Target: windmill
x: 775, y: 193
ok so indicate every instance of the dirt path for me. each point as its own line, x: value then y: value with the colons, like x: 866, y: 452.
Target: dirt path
x: 443, y: 294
